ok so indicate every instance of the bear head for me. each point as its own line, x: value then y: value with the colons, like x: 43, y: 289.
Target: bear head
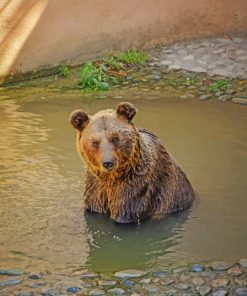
x: 107, y: 141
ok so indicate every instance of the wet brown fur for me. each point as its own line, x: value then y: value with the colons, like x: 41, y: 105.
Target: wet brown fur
x: 145, y: 181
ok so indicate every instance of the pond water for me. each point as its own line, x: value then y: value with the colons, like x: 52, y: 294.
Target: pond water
x: 43, y: 226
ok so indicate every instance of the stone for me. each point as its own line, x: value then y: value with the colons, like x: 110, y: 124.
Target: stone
x: 220, y: 293
x: 107, y: 283
x: 196, y: 268
x: 230, y: 91
x: 220, y: 283
x: 37, y: 285
x: 218, y: 93
x: 203, y: 290
x: 241, y: 291
x: 224, y: 98
x: 88, y: 275
x: 197, y: 69
x: 161, y: 273
x: 50, y: 292
x: 28, y: 293
x: 189, y: 57
x: 183, y: 286
x: 198, y: 281
x: 239, y: 101
x: 175, y: 67
x: 235, y: 271
x: 167, y: 281
x: 187, y: 96
x: 205, y: 97
x: 116, y: 291
x: 240, y: 282
x: 180, y: 270
x: 10, y: 282
x: 151, y: 288
x: 145, y: 281
x: 96, y: 292
x: 221, y: 265
x: 10, y: 272
x: 35, y: 276
x: 155, y: 77
x: 243, y: 263
x: 165, y: 63
x: 128, y: 283
x: 129, y: 273
x: 73, y: 290
x: 86, y: 284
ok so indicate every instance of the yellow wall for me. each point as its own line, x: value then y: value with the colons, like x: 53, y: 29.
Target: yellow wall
x: 44, y: 33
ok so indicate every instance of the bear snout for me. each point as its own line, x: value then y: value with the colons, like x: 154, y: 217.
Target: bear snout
x: 108, y: 165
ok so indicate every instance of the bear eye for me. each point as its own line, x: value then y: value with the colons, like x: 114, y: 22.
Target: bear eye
x: 115, y: 139
x: 95, y: 144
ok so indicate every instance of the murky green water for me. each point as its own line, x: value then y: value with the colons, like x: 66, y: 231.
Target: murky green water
x: 41, y: 215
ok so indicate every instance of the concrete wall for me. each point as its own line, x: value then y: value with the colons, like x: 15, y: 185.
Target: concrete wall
x: 44, y: 33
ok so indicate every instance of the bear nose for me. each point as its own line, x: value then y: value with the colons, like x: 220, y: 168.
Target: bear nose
x: 108, y: 165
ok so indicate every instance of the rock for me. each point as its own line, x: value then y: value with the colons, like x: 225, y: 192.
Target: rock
x: 196, y: 268
x: 235, y: 271
x: 86, y: 284
x: 129, y: 273
x: 151, y: 288
x: 179, y: 270
x: 230, y: 91
x: 50, y: 292
x: 96, y: 292
x: 10, y: 272
x: 155, y: 77
x: 205, y: 97
x: 241, y: 291
x: 28, y: 293
x: 35, y: 276
x: 189, y: 57
x: 145, y: 281
x: 165, y: 63
x: 167, y: 281
x: 243, y: 263
x: 240, y: 101
x: 218, y: 93
x: 198, y: 281
x: 203, y: 290
x: 241, y: 282
x: 127, y: 283
x: 88, y: 275
x: 116, y: 291
x: 183, y: 286
x: 74, y: 290
x: 220, y: 293
x: 161, y: 273
x: 175, y: 67
x: 187, y: 96
x: 10, y: 282
x: 107, y: 283
x: 221, y: 265
x: 224, y: 98
x: 171, y: 292
x: 37, y: 285
x: 220, y: 283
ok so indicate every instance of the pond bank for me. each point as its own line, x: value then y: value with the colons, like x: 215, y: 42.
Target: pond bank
x: 216, y: 278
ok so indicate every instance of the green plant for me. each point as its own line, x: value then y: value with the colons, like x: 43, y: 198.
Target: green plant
x: 219, y: 84
x: 132, y: 57
x: 112, y: 62
x: 93, y: 78
x: 64, y: 71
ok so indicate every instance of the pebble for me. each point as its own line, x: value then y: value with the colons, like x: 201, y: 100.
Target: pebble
x: 221, y: 265
x: 74, y: 290
x: 196, y: 268
x: 241, y: 291
x: 107, y: 283
x: 235, y: 271
x: 86, y: 284
x: 224, y: 98
x: 50, y: 292
x: 187, y: 96
x: 220, y: 293
x: 243, y: 263
x: 127, y: 283
x: 116, y: 291
x: 145, y: 281
x: 198, y: 281
x: 88, y: 275
x: 10, y: 282
x: 218, y: 93
x: 179, y: 270
x: 219, y: 283
x: 203, y: 290
x: 154, y: 77
x: 167, y: 281
x: 129, y: 273
x: 10, y: 272
x: 37, y: 285
x: 96, y: 292
x: 28, y: 293
x: 205, y: 97
x: 151, y: 288
x: 161, y: 273
x: 183, y: 286
x: 240, y: 101
x: 35, y: 276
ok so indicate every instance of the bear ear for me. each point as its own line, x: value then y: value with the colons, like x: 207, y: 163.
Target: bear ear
x: 126, y: 110
x: 79, y: 119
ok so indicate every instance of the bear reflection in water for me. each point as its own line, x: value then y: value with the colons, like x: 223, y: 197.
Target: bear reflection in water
x: 130, y: 174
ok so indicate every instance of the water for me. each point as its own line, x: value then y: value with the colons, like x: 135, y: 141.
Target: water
x: 43, y: 226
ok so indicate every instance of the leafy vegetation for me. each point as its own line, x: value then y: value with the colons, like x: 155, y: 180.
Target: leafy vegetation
x: 219, y: 84
x: 64, y: 71
x: 97, y: 76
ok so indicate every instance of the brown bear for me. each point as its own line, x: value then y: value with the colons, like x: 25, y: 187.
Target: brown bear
x: 130, y: 175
